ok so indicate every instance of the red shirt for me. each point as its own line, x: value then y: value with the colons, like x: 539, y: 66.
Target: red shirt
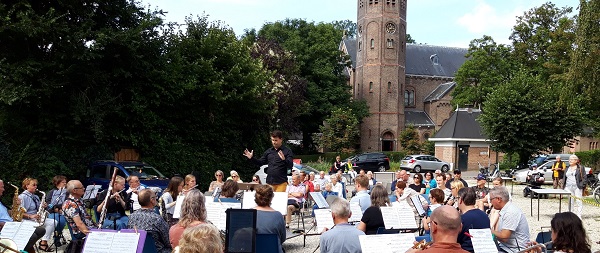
x: 309, y: 185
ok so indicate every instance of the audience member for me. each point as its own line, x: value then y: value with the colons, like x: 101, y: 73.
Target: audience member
x: 472, y: 218
x: 418, y: 184
x: 558, y: 173
x: 372, y: 218
x: 337, y: 166
x: 575, y: 183
x: 441, y: 184
x: 510, y: 225
x: 256, y: 179
x: 430, y: 182
x: 336, y: 186
x: 321, y: 181
x: 296, y: 193
x: 193, y: 213
x: 146, y: 219
x: 372, y: 181
x: 481, y: 191
x: 310, y: 187
x: 397, y: 179
x: 268, y: 220
x: 343, y: 237
x: 457, y: 177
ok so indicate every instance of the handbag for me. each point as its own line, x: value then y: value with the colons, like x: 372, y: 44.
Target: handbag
x: 585, y: 191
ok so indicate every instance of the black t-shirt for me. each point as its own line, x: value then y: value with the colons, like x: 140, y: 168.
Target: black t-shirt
x: 113, y: 206
x: 373, y: 219
x: 417, y: 188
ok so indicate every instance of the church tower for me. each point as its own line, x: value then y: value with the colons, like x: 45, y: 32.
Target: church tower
x: 380, y: 71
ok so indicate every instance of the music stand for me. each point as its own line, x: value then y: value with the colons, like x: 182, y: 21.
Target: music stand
x: 240, y: 233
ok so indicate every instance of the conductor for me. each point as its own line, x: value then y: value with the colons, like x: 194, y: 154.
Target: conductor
x: 279, y: 159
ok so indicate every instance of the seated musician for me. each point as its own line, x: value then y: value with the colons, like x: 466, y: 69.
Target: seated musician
x: 55, y: 199
x: 118, y: 202
x: 31, y: 203
x: 134, y: 188
x: 445, y: 226
x: 343, y: 237
x: 74, y: 210
x: 228, y: 192
x: 146, y: 219
x: 4, y: 218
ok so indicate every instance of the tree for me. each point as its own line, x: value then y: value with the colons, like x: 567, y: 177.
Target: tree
x: 583, y: 86
x: 349, y: 27
x: 409, y: 39
x: 341, y: 132
x: 543, y: 38
x: 409, y: 140
x: 520, y: 117
x: 488, y: 65
x: 315, y: 48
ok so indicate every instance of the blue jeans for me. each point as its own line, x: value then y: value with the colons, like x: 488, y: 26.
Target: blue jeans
x: 60, y: 219
x: 121, y: 221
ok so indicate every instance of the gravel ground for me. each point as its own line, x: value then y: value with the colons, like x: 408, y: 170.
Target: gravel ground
x: 548, y: 208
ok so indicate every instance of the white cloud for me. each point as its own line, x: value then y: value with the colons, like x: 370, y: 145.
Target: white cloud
x: 485, y: 19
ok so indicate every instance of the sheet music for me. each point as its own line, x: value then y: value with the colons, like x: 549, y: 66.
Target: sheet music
x: 178, y: 203
x: 91, y: 191
x: 319, y: 199
x: 356, y: 212
x: 482, y: 241
x: 19, y: 232
x: 279, y: 202
x: 418, y: 205
x: 385, y: 243
x: 323, y: 219
x: 398, y: 217
x: 215, y: 213
x: 106, y: 242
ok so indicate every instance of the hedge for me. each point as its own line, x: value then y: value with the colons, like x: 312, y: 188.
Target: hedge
x: 590, y: 158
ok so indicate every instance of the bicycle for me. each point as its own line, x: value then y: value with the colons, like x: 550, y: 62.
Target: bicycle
x: 596, y: 194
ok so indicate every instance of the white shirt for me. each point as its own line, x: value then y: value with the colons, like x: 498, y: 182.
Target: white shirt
x: 134, y: 197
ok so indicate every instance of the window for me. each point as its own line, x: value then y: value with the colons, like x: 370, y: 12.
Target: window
x: 369, y: 132
x: 593, y: 145
x: 393, y: 2
x: 409, y: 98
x: 389, y: 88
x: 359, y: 45
x: 376, y: 1
x: 370, y: 1
x: 434, y: 59
x: 388, y: 2
x: 360, y: 4
x: 372, y: 43
x: 390, y: 43
x: 358, y: 90
x: 370, y: 86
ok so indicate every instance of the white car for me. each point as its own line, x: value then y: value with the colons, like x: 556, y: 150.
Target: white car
x: 520, y: 176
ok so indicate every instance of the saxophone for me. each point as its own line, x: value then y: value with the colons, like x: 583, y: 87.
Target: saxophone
x: 42, y: 213
x: 16, y: 211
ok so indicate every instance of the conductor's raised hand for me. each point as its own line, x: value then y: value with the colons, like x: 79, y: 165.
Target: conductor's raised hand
x: 281, y: 155
x: 249, y: 154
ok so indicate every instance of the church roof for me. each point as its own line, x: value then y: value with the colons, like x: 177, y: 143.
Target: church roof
x: 417, y: 118
x: 424, y: 60
x: 427, y: 60
x: 440, y: 92
x: 350, y: 45
x: 462, y: 125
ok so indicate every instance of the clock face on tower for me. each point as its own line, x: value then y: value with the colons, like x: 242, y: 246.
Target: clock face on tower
x: 390, y: 28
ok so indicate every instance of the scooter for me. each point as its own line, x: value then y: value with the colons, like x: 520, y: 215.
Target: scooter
x: 534, y: 181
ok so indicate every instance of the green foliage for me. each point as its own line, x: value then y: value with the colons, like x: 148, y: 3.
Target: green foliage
x: 315, y: 47
x: 341, y: 131
x: 488, y: 66
x: 409, y: 140
x: 590, y: 158
x: 409, y: 39
x: 584, y: 73
x: 521, y: 118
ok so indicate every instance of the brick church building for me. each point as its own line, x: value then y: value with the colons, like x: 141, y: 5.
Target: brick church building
x: 403, y: 84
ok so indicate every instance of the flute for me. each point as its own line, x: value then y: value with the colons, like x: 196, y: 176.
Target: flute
x: 543, y: 247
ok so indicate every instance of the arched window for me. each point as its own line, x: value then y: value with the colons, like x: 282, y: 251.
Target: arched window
x: 389, y: 88
x: 390, y: 43
x: 372, y: 43
x: 409, y: 98
x: 370, y: 86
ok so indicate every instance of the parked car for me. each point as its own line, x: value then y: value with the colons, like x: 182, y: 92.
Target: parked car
x: 520, y: 176
x: 100, y: 173
x: 375, y: 162
x: 418, y: 163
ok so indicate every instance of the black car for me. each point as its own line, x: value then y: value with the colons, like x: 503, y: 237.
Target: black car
x: 375, y: 162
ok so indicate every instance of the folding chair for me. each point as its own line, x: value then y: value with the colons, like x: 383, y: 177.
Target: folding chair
x: 267, y: 243
x: 544, y: 237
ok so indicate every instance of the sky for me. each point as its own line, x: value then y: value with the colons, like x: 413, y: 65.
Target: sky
x: 451, y: 23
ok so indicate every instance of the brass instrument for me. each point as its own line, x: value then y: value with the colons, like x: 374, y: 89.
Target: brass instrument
x: 8, y: 245
x: 16, y: 211
x: 108, y: 195
x: 421, y: 245
x: 42, y: 213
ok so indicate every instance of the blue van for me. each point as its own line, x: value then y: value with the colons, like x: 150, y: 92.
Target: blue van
x: 100, y: 173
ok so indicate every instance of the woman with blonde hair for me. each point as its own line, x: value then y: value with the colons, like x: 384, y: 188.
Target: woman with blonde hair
x: 204, y: 238
x: 454, y: 187
x: 31, y: 202
x: 193, y: 213
x: 372, y: 218
x: 189, y: 183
